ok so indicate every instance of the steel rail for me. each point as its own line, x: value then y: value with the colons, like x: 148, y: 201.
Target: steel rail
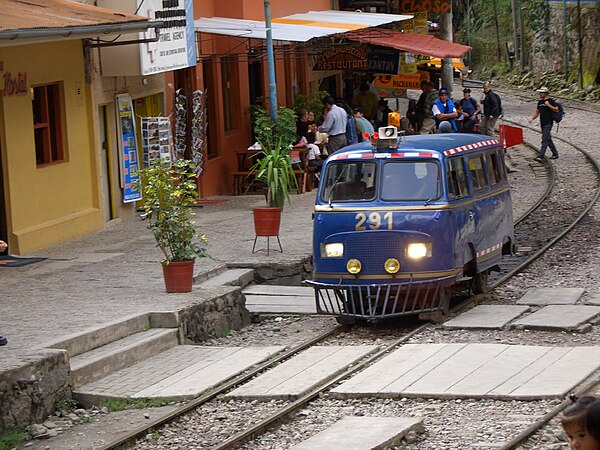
x: 265, y: 424
x: 199, y: 401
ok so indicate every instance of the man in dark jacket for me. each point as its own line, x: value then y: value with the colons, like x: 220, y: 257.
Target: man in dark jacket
x: 492, y: 109
x: 546, y: 106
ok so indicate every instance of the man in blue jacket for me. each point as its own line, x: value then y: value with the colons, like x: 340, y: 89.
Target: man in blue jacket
x: 443, y: 109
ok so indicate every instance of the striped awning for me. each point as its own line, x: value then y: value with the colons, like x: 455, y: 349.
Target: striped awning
x: 297, y: 27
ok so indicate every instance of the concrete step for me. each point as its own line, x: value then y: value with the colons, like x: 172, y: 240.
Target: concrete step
x: 96, y: 337
x: 231, y: 277
x: 102, y: 361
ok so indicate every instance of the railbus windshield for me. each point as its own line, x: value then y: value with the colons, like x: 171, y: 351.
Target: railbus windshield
x: 400, y: 181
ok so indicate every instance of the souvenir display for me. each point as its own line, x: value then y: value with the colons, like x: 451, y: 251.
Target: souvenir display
x: 157, y: 142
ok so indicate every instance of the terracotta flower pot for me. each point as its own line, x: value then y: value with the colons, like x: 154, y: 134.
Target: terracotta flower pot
x: 179, y: 276
x: 267, y: 221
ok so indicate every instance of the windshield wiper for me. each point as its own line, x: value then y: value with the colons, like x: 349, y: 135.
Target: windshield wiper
x: 337, y: 180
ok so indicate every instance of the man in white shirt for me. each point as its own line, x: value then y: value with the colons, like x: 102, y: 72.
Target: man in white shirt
x: 334, y: 125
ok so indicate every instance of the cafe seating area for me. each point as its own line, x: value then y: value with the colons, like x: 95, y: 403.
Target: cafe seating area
x: 244, y: 179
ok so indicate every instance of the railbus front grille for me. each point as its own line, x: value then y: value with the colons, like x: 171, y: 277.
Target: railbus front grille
x: 377, y: 301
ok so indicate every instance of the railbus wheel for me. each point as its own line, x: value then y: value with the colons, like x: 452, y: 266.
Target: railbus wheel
x: 479, y: 284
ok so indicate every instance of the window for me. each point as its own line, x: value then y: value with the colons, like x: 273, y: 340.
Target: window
x: 477, y: 170
x: 410, y: 180
x: 349, y: 181
x: 47, y: 124
x: 229, y: 86
x: 457, y: 179
x: 495, y: 167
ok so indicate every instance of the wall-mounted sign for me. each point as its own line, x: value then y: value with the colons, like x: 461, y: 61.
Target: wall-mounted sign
x: 408, y: 63
x: 383, y: 60
x: 128, y: 155
x: 418, y: 24
x: 436, y: 6
x: 176, y: 47
x: 342, y: 57
x: 14, y: 84
x: 404, y: 81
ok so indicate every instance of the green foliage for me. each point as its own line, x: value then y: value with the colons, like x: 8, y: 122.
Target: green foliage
x: 311, y: 102
x: 167, y: 191
x: 268, y: 133
x: 122, y: 404
x: 12, y: 439
x: 274, y: 168
x: 66, y: 405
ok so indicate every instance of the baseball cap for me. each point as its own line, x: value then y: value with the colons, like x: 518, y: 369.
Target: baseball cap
x: 358, y: 110
x: 466, y: 90
x: 443, y: 91
x: 543, y: 89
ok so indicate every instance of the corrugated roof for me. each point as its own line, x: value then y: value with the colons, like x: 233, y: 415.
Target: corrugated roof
x: 297, y: 27
x: 425, y: 44
x: 17, y: 15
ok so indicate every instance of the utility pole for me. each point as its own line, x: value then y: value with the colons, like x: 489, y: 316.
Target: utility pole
x: 497, y: 29
x: 565, y: 42
x: 271, y: 63
x: 522, y: 27
x: 580, y: 43
x: 515, y: 31
x: 447, y: 69
x: 469, y: 30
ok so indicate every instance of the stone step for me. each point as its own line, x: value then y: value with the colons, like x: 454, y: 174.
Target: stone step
x: 231, y: 277
x: 116, y: 355
x: 96, y: 337
x: 280, y: 291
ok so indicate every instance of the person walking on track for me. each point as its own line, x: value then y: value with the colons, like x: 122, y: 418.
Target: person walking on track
x: 546, y: 106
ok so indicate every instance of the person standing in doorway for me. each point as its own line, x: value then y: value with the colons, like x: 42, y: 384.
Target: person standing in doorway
x: 492, y: 109
x: 546, y: 106
x: 334, y: 125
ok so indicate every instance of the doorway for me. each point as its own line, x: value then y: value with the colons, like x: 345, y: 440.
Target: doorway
x: 105, y: 173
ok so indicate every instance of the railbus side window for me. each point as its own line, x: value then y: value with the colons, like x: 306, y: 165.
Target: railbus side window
x: 495, y: 167
x: 457, y: 178
x: 477, y: 170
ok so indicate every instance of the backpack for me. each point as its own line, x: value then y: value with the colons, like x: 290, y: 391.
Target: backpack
x: 558, y: 116
x: 499, y: 100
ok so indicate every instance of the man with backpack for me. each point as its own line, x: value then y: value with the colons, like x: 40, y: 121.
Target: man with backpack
x: 470, y: 109
x: 492, y: 109
x: 546, y: 109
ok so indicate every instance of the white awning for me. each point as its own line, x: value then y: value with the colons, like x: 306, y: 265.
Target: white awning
x: 297, y: 27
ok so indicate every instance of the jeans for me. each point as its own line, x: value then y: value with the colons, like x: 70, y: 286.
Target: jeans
x: 547, y: 141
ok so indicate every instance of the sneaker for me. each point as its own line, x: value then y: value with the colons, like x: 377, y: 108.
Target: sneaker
x: 554, y: 157
x: 3, y: 341
x: 538, y: 159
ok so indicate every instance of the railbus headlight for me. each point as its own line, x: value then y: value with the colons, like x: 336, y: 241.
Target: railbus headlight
x: 332, y: 250
x: 392, y: 265
x: 418, y: 250
x: 353, y: 266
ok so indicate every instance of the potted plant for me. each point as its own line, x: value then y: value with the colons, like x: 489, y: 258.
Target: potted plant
x: 168, y: 189
x: 273, y: 167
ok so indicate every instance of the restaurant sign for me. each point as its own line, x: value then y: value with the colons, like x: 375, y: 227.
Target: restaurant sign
x: 383, y: 60
x: 343, y: 57
x: 434, y: 6
x: 404, y: 81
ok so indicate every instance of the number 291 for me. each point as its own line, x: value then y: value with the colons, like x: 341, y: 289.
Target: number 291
x: 374, y: 221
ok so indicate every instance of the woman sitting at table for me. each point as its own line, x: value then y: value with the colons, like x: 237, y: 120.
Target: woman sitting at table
x: 302, y: 125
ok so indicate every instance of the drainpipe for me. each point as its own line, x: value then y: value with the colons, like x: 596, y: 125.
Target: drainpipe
x: 271, y: 63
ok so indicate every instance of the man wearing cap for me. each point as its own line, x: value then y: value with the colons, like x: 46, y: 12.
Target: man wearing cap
x: 470, y: 109
x: 492, y: 109
x: 443, y: 110
x: 545, y: 107
x: 362, y: 125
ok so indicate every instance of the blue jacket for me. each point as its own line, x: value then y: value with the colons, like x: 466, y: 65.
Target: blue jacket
x: 351, y: 136
x: 446, y: 110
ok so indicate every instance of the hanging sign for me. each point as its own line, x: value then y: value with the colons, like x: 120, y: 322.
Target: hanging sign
x: 342, y: 57
x: 418, y: 24
x: 404, y: 81
x: 383, y: 60
x: 435, y: 6
x: 408, y: 63
x: 128, y: 155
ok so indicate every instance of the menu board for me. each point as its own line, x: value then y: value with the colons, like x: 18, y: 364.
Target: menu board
x: 128, y: 156
x: 157, y: 141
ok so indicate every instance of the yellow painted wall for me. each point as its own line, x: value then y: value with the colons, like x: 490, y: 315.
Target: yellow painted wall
x: 60, y: 201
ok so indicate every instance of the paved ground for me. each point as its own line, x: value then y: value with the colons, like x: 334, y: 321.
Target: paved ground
x: 116, y: 272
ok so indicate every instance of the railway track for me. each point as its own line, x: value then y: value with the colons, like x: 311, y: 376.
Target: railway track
x: 511, y: 266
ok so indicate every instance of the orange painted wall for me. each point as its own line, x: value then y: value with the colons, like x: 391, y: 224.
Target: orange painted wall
x: 217, y: 178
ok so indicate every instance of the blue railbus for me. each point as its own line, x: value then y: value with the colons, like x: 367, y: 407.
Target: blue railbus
x: 401, y: 223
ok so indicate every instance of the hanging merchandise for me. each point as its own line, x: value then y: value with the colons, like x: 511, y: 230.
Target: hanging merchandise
x: 180, y: 123
x: 156, y: 139
x: 199, y: 124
